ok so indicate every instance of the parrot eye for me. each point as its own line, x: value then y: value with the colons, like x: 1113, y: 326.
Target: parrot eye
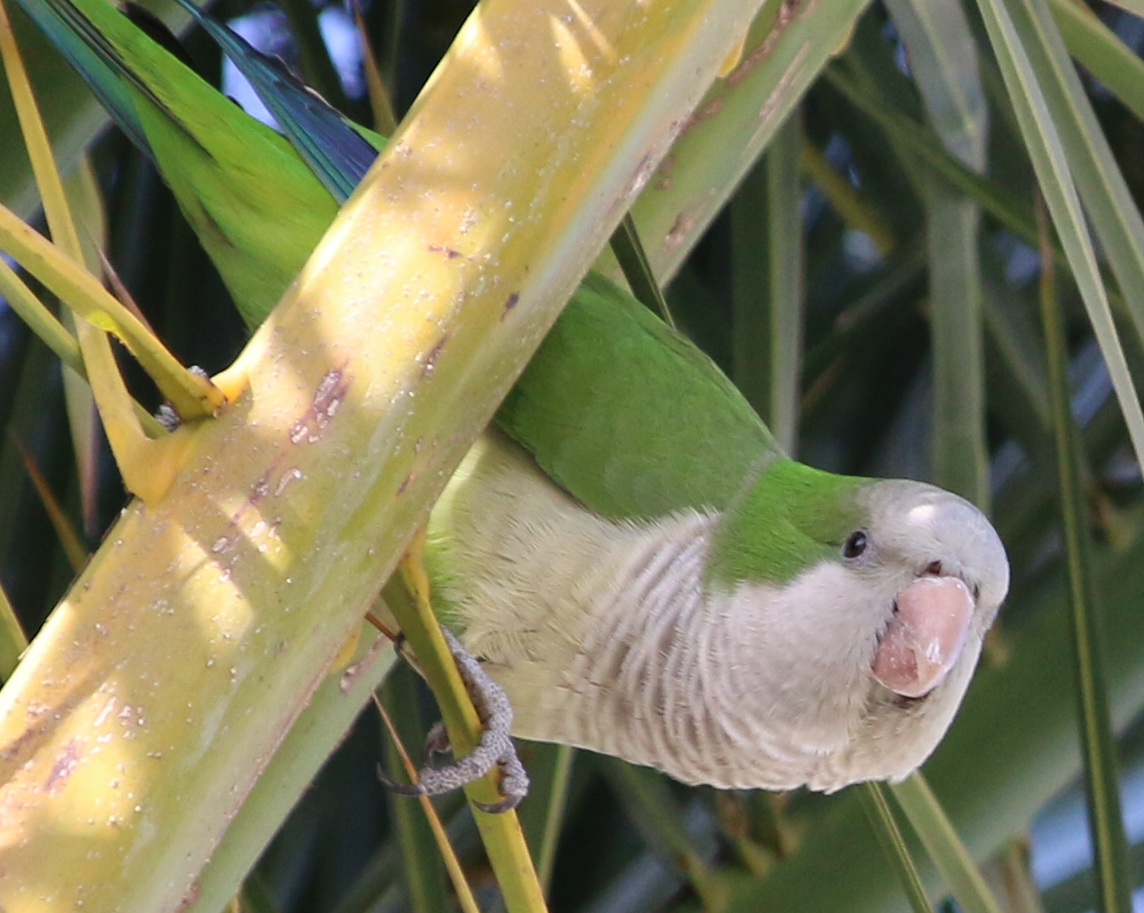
x: 855, y: 544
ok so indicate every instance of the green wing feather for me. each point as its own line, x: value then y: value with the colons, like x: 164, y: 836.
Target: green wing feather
x: 629, y: 416
x: 256, y: 207
x: 311, y: 124
x: 624, y: 413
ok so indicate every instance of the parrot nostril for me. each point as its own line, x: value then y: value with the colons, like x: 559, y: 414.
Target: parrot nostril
x: 934, y: 568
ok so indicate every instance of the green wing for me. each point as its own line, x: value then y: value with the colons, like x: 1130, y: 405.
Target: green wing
x: 630, y: 417
x: 256, y: 207
x: 335, y: 150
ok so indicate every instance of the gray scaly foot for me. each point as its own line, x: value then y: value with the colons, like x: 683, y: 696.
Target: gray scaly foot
x: 495, y: 749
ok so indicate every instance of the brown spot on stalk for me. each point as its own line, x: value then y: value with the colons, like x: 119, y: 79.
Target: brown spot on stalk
x: 308, y: 429
x: 431, y: 359
x: 712, y: 108
x: 789, y: 12
x: 62, y: 769
x: 683, y: 224
x: 327, y: 399
x: 260, y: 489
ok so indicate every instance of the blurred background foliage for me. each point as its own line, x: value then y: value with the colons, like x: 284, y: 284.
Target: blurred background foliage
x: 875, y: 288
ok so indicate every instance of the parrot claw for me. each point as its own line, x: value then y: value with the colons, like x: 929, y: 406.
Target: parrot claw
x: 495, y: 749
x: 437, y: 742
x: 513, y: 785
x: 168, y: 417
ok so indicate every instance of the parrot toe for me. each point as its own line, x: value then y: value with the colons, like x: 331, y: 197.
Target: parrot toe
x: 495, y: 749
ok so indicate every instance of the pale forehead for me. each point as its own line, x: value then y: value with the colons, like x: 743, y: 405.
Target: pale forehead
x: 921, y: 515
x: 915, y: 518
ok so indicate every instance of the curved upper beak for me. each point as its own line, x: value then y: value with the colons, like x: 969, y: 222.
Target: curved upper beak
x: 926, y: 636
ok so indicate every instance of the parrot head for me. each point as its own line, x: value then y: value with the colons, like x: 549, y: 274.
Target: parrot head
x: 871, y: 645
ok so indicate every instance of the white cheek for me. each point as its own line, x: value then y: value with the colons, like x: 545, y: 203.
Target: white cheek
x: 829, y: 614
x: 808, y: 650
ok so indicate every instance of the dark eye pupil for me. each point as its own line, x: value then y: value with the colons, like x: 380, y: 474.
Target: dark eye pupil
x: 855, y: 544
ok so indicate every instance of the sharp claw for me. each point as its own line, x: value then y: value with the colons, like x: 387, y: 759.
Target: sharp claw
x: 495, y: 749
x: 436, y: 742
x: 400, y: 789
x: 513, y: 786
x: 506, y: 804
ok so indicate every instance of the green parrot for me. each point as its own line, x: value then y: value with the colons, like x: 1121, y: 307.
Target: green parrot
x: 627, y: 551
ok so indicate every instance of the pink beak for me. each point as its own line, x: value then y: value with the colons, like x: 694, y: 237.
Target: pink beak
x: 925, y: 637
